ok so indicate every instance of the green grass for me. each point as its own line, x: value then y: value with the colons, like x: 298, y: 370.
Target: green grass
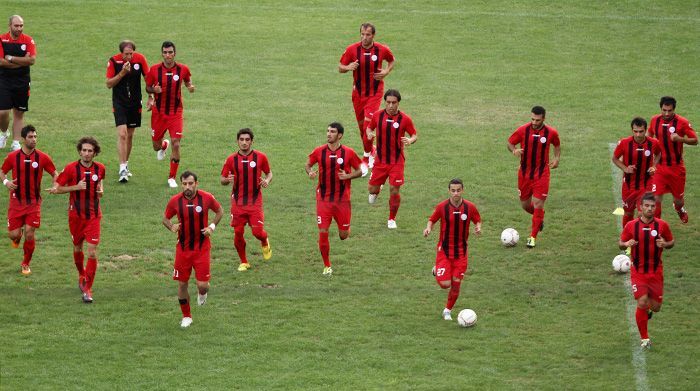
x: 550, y: 318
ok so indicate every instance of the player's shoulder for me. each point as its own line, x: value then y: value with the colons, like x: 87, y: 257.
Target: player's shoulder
x: 382, y: 46
x: 26, y: 38
x: 260, y: 153
x: 551, y: 129
x: 182, y: 66
x: 116, y: 58
x: 348, y: 149
x: 42, y: 153
x: 654, y: 118
x: 138, y: 56
x: 5, y: 37
x: 523, y: 127
x: 175, y: 198
x: 353, y: 46
x: 206, y: 195
x: 682, y: 119
x: 405, y: 115
x: 625, y: 140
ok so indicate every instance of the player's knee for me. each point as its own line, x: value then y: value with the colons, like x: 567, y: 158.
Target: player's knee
x: 15, y: 235
x: 239, y: 230
x: 656, y: 307
x: 258, y: 232
x: 29, y: 235
x: 643, y: 303
x: 394, y: 190
x: 445, y: 284
x: 176, y: 143
x: 343, y: 234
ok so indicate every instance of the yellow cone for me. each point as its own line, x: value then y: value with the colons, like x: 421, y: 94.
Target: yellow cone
x: 619, y: 212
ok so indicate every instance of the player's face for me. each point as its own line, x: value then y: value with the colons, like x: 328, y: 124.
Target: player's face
x: 537, y: 120
x: 189, y: 186
x: 456, y: 191
x: 648, y: 208
x: 392, y: 105
x: 333, y: 135
x: 16, y: 27
x: 128, y: 53
x: 87, y: 153
x: 639, y: 133
x: 30, y: 140
x: 668, y: 111
x: 169, y: 56
x: 367, y: 37
x: 244, y: 143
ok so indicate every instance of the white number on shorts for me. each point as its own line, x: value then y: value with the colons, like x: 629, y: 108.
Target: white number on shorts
x: 653, y: 187
x: 634, y: 287
x: 440, y: 272
x: 318, y: 218
x: 176, y: 274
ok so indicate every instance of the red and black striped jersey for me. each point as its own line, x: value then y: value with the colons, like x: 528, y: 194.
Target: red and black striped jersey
x: 330, y: 163
x: 193, y: 216
x: 128, y: 91
x: 27, y: 171
x: 19, y: 47
x: 671, y: 152
x: 454, y: 226
x: 247, y: 170
x: 534, y: 162
x: 646, y: 255
x: 370, y: 62
x: 641, y: 155
x: 168, y: 102
x: 389, y: 130
x: 84, y: 203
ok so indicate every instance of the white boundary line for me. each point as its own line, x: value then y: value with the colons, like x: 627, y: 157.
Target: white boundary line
x: 639, y: 360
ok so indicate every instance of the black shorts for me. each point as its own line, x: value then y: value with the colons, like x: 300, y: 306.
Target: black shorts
x: 129, y: 116
x: 14, y: 95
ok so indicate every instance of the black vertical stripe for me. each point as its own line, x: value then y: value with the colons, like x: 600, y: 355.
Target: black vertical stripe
x: 159, y: 97
x: 341, y: 150
x: 178, y: 86
x: 322, y: 173
x: 256, y: 178
x: 533, y: 155
x: 647, y: 161
x: 87, y: 192
x: 37, y: 176
x: 646, y: 235
x: 27, y: 177
x: 367, y: 64
x: 543, y: 151
x: 181, y: 218
x: 465, y: 227
x: 397, y: 137
x: 236, y: 179
x: 635, y: 248
x: 445, y: 238
x: 202, y: 218
x: 380, y: 136
x: 96, y: 199
x: 455, y: 232
x: 375, y: 82
x: 245, y: 167
x: 332, y: 174
x: 18, y: 176
x: 662, y: 135
x: 628, y: 160
x: 358, y: 82
x: 78, y: 176
x: 386, y: 132
x: 525, y: 144
x: 677, y: 147
x: 190, y: 223
x: 639, y: 164
x: 657, y: 250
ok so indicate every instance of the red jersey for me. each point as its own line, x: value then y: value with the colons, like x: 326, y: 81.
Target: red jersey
x: 671, y: 152
x: 193, y: 216
x: 128, y: 91
x: 168, y: 102
x: 27, y: 171
x: 330, y: 163
x: 641, y: 155
x: 371, y: 61
x: 534, y: 162
x: 84, y: 203
x: 454, y: 226
x: 246, y: 169
x: 389, y: 130
x: 645, y: 254
x: 16, y: 48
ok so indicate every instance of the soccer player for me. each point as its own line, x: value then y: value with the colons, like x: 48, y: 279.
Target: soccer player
x: 390, y: 126
x: 672, y: 131
x: 637, y: 157
x: 455, y: 215
x: 124, y: 73
x: 366, y: 61
x: 648, y: 236
x: 17, y: 54
x: 534, y: 138
x: 84, y: 180
x: 165, y: 81
x: 249, y: 171
x: 193, y: 249
x: 337, y: 166
x: 28, y: 165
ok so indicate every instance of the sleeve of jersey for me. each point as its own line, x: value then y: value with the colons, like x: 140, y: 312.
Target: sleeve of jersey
x: 666, y: 232
x: 186, y: 75
x: 170, y: 210
x: 410, y: 129
x: 437, y: 214
x: 627, y: 232
x: 49, y: 166
x: 655, y: 146
x: 515, y: 138
x: 226, y: 169
x: 313, y: 157
x: 356, y: 161
x: 31, y: 48
x: 212, y: 203
x: 373, y: 121
x: 7, y: 164
x: 151, y: 77
x: 620, y: 148
x: 689, y: 131
x: 110, y: 69
x: 144, y: 65
x: 389, y: 56
x: 265, y: 164
x: 474, y: 213
x: 347, y: 56
x: 64, y: 177
x: 555, y: 138
x: 2, y: 52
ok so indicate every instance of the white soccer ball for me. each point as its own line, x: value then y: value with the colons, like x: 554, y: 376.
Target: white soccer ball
x: 466, y: 318
x: 510, y: 237
x: 621, y: 263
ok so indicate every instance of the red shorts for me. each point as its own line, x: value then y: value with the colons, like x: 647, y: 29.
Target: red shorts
x: 249, y: 214
x: 632, y: 198
x: 382, y: 171
x: 365, y: 106
x: 651, y: 284
x: 160, y: 123
x: 186, y: 260
x: 81, y: 229
x: 669, y: 180
x: 340, y: 211
x: 448, y: 268
x: 19, y: 216
x: 537, y: 188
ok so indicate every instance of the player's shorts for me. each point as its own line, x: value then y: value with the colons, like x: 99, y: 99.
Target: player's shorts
x: 538, y: 187
x: 84, y: 230
x: 19, y: 216
x: 160, y: 123
x: 448, y: 268
x: 381, y: 171
x: 340, y: 211
x: 632, y: 198
x: 129, y: 116
x: 14, y: 96
x: 365, y: 106
x: 669, y: 180
x: 186, y: 260
x: 651, y: 284
x: 249, y: 214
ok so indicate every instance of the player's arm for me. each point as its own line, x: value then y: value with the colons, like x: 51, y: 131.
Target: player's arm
x: 626, y: 239
x: 515, y: 151
x: 113, y: 81
x: 355, y: 172
x: 626, y: 169
x: 207, y: 231
x: 189, y: 85
x: 662, y: 243
x: 384, y: 72
x: 61, y: 189
x: 690, y: 137
x: 409, y: 140
x: 266, y: 179
x: 342, y: 68
x: 17, y: 62
x: 9, y: 183
x: 172, y: 227
x: 428, y: 228
x: 555, y: 160
x: 477, y: 228
x: 308, y: 167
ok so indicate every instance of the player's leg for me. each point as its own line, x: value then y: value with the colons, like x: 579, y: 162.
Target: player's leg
x: 342, y: 213
x: 459, y: 267
x: 323, y: 220
x: 4, y: 124
x: 181, y: 273
x: 183, y: 297
x: 158, y: 128
x: 91, y: 265
x: 17, y: 125
x: 629, y: 204
x: 15, y: 223
x: 29, y: 246
x: 379, y: 176
x: 122, y: 135
x: 257, y: 226
x: 239, y: 243
x: 525, y: 193
x: 640, y: 290
x: 678, y: 191
x: 540, y: 188
x: 371, y: 105
x: 202, y: 273
x: 174, y: 159
x: 75, y: 226
x: 358, y: 104
x: 443, y: 276
x: 396, y: 180
x: 660, y: 187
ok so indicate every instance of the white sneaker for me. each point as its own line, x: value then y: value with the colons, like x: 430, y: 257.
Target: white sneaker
x: 646, y: 343
x: 372, y: 198
x: 186, y: 322
x: 123, y: 176
x: 161, y: 153
x: 364, y: 169
x: 327, y: 271
x: 172, y: 183
x: 128, y: 173
x: 3, y: 138
x: 391, y: 224
x: 15, y: 145
x: 446, y: 314
x: 201, y: 299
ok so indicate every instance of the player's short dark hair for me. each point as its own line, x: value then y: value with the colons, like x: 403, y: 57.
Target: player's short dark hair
x: 28, y: 129
x: 91, y: 141
x: 247, y: 131
x: 168, y: 44
x: 188, y: 174
x: 338, y: 126
x: 368, y: 25
x: 538, y: 110
x: 638, y: 121
x: 667, y: 100
x: 456, y: 181
x: 123, y: 45
x: 648, y: 197
x: 392, y: 92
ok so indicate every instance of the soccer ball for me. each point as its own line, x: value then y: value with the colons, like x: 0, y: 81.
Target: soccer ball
x: 621, y: 263
x: 466, y: 318
x: 509, y: 237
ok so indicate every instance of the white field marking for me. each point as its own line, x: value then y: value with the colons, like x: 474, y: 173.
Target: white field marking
x: 639, y: 360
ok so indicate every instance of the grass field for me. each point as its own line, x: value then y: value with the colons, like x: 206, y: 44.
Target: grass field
x: 554, y: 317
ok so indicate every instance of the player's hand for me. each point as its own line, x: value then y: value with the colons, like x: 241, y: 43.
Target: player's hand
x: 406, y: 140
x: 81, y: 185
x: 207, y: 231
x: 554, y: 163
x: 190, y: 88
x: 150, y: 103
x: 651, y: 170
x: 342, y: 175
x: 353, y: 65
x: 477, y: 230
x: 157, y: 89
x: 264, y: 182
x: 630, y: 243
x: 518, y: 152
x: 175, y: 227
x: 426, y: 232
x: 630, y: 169
x: 11, y: 184
x: 126, y: 68
x: 52, y: 190
x: 370, y: 134
x: 380, y: 75
x: 313, y: 174
x: 660, y: 242
x: 676, y: 138
x: 231, y: 178
x: 100, y: 191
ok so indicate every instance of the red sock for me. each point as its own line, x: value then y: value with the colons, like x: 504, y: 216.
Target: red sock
x: 260, y: 234
x: 185, y: 308
x: 29, y: 246
x: 174, y: 164
x: 239, y: 244
x: 678, y: 208
x: 453, y: 294
x: 163, y: 144
x: 642, y: 321
x: 394, y: 203
x: 657, y: 212
x: 537, y: 219
x: 78, y: 259
x: 90, y: 270
x: 325, y: 248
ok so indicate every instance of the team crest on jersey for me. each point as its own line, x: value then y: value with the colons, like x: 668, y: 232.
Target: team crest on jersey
x: 463, y: 216
x: 647, y: 153
x: 374, y: 57
x: 340, y: 160
x: 396, y: 125
x: 35, y: 165
x: 176, y: 77
x: 198, y: 209
x: 252, y: 164
x: 95, y: 177
x: 24, y: 47
x: 543, y: 140
x: 137, y: 67
x: 672, y: 129
x: 654, y: 233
